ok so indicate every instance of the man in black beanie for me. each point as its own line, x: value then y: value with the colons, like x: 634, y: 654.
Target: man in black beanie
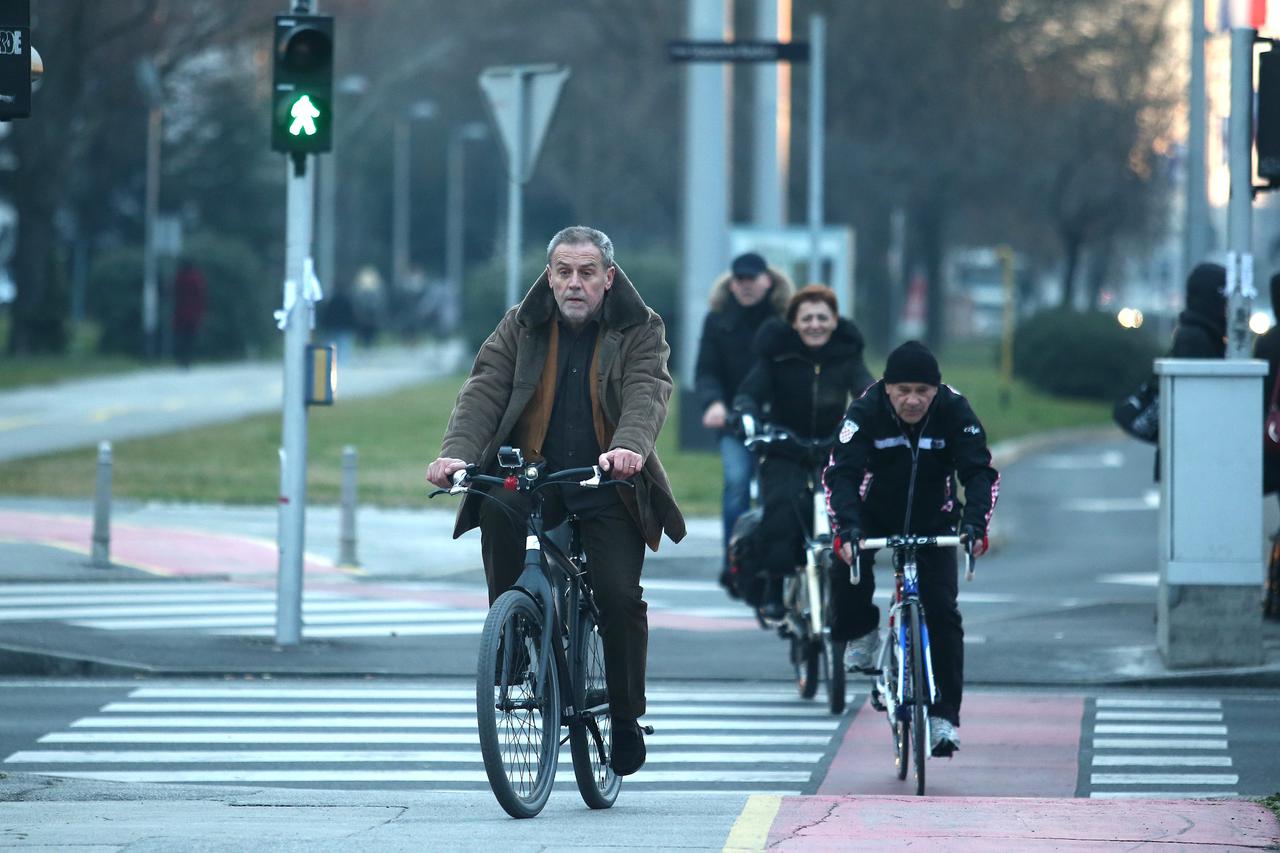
x: 893, y: 471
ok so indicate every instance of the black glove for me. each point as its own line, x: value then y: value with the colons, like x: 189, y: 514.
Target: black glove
x: 850, y: 535
x: 975, y: 539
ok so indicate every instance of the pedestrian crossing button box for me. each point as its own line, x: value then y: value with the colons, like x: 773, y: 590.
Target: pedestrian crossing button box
x: 322, y: 374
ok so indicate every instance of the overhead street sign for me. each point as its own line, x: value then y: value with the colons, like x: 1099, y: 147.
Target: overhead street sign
x: 737, y: 51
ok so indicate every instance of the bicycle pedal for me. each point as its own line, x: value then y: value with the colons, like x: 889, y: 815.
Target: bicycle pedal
x: 877, y: 701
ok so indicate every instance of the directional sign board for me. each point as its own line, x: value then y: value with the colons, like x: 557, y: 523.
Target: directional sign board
x: 15, y: 59
x: 523, y: 99
x: 737, y: 51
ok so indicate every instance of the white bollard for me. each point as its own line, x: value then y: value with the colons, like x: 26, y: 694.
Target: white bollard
x: 101, y: 552
x: 347, y: 537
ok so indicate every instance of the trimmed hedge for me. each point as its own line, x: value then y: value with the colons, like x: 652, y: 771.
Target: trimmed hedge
x: 237, y: 321
x: 1085, y: 355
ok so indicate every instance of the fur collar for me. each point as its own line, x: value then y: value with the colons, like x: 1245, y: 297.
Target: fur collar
x: 623, y: 306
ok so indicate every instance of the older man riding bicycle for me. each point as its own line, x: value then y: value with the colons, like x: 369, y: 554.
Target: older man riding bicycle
x: 893, y: 471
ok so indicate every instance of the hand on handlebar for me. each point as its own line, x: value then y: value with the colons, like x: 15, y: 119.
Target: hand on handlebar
x: 620, y: 463
x: 848, y: 539
x: 974, y: 539
x: 440, y: 472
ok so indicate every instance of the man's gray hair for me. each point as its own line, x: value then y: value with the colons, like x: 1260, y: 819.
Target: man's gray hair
x: 576, y: 235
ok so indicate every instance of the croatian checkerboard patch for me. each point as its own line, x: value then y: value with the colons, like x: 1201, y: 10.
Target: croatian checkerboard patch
x: 847, y: 429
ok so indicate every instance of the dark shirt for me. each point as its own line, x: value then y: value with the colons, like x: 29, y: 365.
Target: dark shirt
x: 571, y: 434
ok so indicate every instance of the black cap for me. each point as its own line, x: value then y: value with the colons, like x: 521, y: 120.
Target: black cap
x: 912, y: 362
x: 749, y: 265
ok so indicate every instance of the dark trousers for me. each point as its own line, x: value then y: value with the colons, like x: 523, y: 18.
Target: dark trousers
x: 615, y: 556
x: 855, y: 614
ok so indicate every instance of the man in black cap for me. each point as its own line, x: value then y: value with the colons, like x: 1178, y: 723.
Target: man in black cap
x: 741, y: 300
x: 893, y: 471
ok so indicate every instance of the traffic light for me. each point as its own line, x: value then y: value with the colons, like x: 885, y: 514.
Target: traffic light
x: 15, y: 59
x: 302, y: 86
x: 1267, y: 137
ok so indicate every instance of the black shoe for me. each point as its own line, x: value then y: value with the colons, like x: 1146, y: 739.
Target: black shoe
x: 773, y: 611
x: 628, y: 747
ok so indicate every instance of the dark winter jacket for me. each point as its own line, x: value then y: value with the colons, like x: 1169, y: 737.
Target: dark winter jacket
x: 1267, y: 347
x: 1202, y: 327
x: 802, y: 389
x: 879, y: 464
x: 724, y: 351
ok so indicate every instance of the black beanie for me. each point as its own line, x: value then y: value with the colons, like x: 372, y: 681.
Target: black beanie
x: 912, y: 362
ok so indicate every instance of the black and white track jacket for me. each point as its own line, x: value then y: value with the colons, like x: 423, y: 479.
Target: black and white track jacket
x: 886, y: 478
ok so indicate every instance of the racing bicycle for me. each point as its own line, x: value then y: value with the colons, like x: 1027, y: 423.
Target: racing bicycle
x: 903, y: 685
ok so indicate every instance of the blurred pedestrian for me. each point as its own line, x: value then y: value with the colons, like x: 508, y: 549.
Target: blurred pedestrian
x: 1267, y: 348
x: 339, y: 321
x: 190, y: 294
x: 370, y: 303
x: 742, y: 299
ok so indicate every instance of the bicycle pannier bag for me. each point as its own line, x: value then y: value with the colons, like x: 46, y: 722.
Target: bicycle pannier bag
x: 748, y: 579
x: 1138, y: 413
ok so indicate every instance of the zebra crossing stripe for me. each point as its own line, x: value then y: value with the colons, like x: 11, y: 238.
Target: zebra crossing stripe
x: 348, y: 775
x: 417, y: 722
x: 1158, y: 743
x: 354, y: 612
x: 398, y: 737
x: 1119, y: 729
x: 1164, y: 779
x: 1163, y: 795
x: 1163, y: 716
x: 280, y: 756
x: 1162, y: 761
x: 656, y: 710
x: 1117, y: 702
x: 783, y: 697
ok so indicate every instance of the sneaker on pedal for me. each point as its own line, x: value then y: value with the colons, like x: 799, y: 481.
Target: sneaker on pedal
x: 944, y: 737
x: 860, y: 654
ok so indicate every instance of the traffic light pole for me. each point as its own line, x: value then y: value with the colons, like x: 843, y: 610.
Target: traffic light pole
x: 293, y: 455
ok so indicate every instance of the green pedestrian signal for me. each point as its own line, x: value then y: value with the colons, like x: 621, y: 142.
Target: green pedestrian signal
x: 302, y: 84
x: 304, y: 114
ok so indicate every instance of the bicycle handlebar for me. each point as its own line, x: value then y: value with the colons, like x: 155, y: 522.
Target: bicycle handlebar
x: 910, y: 541
x: 591, y: 478
x: 768, y: 434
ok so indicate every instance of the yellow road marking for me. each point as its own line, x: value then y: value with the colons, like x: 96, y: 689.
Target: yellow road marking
x: 750, y: 831
x: 106, y: 413
x: 16, y: 423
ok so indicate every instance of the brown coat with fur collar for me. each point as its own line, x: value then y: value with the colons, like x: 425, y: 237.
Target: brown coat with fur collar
x: 507, y: 395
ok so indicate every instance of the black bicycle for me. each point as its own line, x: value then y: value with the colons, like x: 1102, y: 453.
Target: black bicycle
x: 541, y: 666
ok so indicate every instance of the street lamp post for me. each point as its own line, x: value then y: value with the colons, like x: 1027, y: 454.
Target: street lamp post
x: 455, y: 217
x: 400, y: 177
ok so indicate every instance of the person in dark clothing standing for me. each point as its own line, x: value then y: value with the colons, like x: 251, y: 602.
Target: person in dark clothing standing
x: 1202, y: 326
x: 741, y: 300
x: 806, y: 371
x: 893, y: 471
x: 576, y: 375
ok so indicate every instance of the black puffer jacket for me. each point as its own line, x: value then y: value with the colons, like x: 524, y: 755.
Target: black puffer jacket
x: 887, y: 478
x: 802, y: 389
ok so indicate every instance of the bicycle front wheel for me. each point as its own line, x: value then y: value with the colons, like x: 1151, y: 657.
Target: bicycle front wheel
x: 898, y: 684
x: 835, y: 676
x: 517, y: 706
x: 591, y: 736
x: 919, y: 697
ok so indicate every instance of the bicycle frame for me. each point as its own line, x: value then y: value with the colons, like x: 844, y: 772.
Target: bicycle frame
x: 906, y: 594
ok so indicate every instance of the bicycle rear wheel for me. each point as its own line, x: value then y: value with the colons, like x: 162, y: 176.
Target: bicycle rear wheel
x: 517, y: 706
x: 804, y: 659
x: 590, y: 738
x: 919, y: 697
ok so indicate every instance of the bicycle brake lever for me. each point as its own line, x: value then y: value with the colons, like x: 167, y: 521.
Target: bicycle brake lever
x: 593, y: 481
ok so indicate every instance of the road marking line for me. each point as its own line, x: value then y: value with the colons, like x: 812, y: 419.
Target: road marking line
x: 1166, y: 716
x: 416, y: 722
x: 1150, y: 579
x: 352, y: 775
x: 1164, y: 779
x: 363, y: 737
x: 1163, y: 795
x: 1119, y: 729
x: 1162, y: 761
x: 1118, y: 702
x: 433, y: 707
x: 1157, y: 743
x: 310, y: 756
x: 764, y: 694
x: 750, y: 831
